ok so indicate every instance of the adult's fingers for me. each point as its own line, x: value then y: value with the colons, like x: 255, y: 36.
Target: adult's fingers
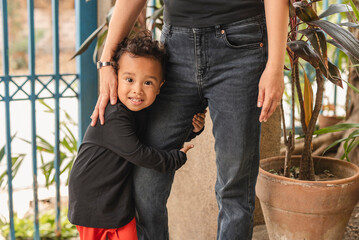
x: 260, y: 99
x: 265, y: 110
x: 103, y: 103
x: 113, y: 92
x: 94, y: 115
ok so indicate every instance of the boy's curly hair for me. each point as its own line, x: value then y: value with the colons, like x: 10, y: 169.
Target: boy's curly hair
x: 142, y: 45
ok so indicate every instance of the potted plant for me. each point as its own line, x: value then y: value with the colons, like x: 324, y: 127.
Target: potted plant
x: 315, y: 196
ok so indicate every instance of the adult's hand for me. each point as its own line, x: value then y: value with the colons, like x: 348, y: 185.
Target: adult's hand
x: 108, y: 91
x: 271, y: 88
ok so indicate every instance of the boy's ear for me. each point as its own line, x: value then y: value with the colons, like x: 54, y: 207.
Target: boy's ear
x: 158, y: 92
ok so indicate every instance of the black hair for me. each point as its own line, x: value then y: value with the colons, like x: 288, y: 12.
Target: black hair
x: 142, y: 45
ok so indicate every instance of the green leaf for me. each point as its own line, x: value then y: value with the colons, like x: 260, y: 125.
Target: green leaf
x: 335, y: 8
x: 2, y: 153
x: 356, y: 12
x: 44, y: 145
x: 65, y: 143
x: 336, y: 128
x: 2, y: 150
x: 72, y: 139
x: 84, y: 46
x: 100, y: 39
x: 49, y: 109
x: 109, y: 15
x: 333, y: 144
x: 352, y: 86
x: 157, y: 14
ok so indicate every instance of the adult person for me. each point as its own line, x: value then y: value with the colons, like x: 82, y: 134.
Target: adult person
x: 227, y: 55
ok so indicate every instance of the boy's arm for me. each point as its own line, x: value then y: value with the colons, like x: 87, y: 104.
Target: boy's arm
x: 123, y: 18
x: 193, y: 135
x: 198, y: 123
x: 119, y: 136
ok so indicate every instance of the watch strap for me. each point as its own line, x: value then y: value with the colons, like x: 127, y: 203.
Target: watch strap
x: 104, y: 64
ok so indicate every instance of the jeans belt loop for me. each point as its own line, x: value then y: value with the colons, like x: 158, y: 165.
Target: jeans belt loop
x: 218, y: 30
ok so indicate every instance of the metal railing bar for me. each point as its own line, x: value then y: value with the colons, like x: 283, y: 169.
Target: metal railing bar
x: 68, y: 86
x: 19, y: 88
x: 45, y: 87
x: 51, y: 97
x: 5, y: 57
x: 32, y: 64
x: 56, y: 64
x: 41, y: 75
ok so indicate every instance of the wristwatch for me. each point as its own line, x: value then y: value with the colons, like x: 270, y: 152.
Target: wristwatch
x: 104, y: 64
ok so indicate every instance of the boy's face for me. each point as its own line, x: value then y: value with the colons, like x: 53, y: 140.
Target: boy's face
x: 139, y: 81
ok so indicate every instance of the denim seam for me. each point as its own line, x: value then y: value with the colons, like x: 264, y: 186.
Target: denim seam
x: 198, y: 76
x: 249, y: 195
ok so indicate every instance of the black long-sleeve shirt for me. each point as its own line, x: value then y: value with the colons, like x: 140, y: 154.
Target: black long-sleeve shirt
x: 100, y: 185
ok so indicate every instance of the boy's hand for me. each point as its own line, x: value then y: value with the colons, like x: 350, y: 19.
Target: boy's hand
x: 186, y: 148
x: 198, y: 121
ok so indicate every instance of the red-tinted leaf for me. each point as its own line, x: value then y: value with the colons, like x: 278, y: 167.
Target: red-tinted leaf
x: 340, y: 35
x: 334, y: 76
x: 317, y: 39
x: 349, y: 24
x: 352, y: 59
x: 304, y: 11
x: 304, y: 51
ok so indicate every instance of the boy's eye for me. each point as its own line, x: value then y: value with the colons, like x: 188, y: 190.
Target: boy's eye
x: 129, y: 79
x: 148, y: 83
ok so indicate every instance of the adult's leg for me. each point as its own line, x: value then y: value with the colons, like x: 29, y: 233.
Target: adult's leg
x: 169, y: 124
x: 236, y: 57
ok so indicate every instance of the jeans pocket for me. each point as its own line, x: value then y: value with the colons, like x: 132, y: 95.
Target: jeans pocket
x: 247, y: 36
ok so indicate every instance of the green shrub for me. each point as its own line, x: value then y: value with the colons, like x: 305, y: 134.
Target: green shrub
x: 24, y: 227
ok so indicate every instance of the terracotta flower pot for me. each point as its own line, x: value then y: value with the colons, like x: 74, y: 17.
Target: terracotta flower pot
x: 326, y: 121
x: 306, y: 210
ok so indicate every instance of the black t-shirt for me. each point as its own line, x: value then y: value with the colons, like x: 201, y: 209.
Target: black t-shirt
x: 205, y: 13
x: 100, y: 186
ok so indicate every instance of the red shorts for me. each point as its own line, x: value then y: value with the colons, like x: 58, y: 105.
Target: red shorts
x: 127, y: 232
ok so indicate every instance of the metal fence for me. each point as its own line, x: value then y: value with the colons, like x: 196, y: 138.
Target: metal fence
x: 85, y: 78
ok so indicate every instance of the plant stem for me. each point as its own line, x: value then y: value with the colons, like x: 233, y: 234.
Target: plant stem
x: 289, y: 142
x: 306, y: 163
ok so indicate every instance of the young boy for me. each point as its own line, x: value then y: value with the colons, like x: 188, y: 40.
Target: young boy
x: 100, y: 186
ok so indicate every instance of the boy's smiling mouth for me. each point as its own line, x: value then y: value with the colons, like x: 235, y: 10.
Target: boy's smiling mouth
x: 136, y: 101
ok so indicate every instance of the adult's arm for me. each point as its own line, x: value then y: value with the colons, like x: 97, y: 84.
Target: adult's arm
x: 271, y: 85
x: 123, y: 18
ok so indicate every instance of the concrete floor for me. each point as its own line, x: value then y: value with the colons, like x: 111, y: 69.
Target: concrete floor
x: 260, y: 233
